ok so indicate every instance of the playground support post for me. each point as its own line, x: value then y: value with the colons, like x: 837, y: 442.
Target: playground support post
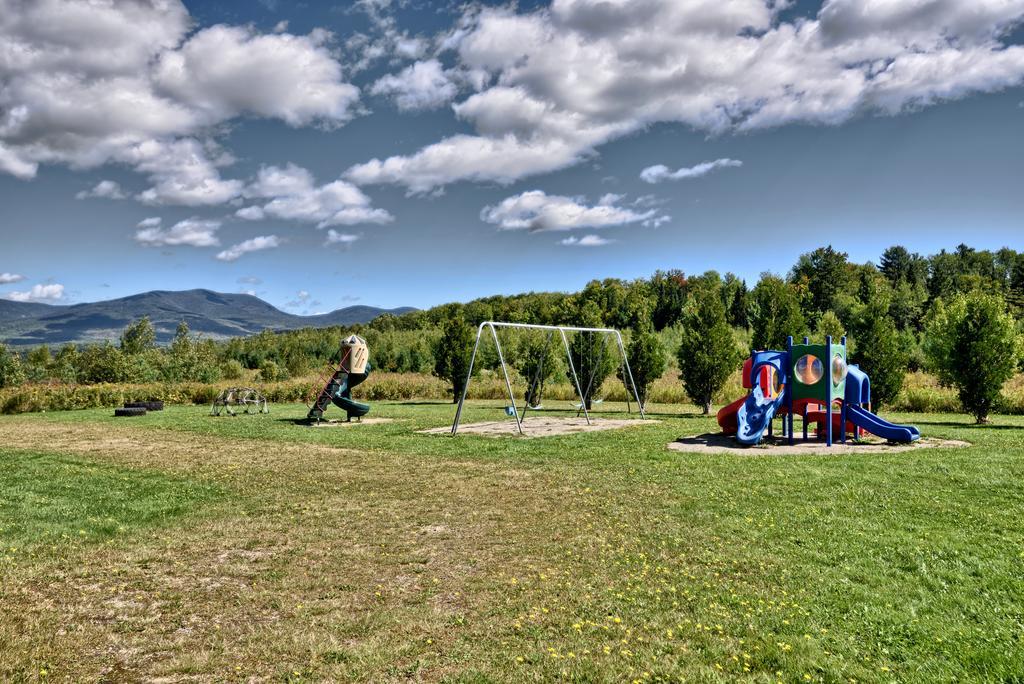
x: 561, y: 330
x: 827, y: 369
x: 842, y: 407
x: 789, y: 390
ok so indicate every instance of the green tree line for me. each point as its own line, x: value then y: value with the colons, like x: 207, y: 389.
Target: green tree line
x: 893, y: 313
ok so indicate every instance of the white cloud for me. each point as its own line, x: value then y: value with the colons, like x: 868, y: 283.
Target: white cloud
x: 656, y: 221
x: 558, y: 82
x: 467, y: 157
x: 385, y: 40
x: 336, y: 238
x: 182, y: 173
x: 585, y: 241
x: 11, y: 163
x: 8, y: 278
x: 253, y: 213
x: 537, y: 211
x: 224, y: 71
x: 422, y: 85
x: 39, y: 293
x: 252, y: 245
x: 89, y: 82
x: 107, y: 189
x: 150, y: 222
x: 660, y: 172
x: 294, y: 196
x: 192, y: 232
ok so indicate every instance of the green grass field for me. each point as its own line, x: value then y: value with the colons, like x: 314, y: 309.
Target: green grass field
x: 182, y: 547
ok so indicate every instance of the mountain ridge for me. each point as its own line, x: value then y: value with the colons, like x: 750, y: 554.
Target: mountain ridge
x: 217, y: 315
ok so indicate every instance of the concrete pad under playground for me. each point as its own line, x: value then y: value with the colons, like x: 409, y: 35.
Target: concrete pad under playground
x: 717, y: 443
x: 540, y: 427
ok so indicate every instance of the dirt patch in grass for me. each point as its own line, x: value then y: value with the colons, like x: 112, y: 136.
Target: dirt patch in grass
x: 540, y: 427
x: 717, y: 443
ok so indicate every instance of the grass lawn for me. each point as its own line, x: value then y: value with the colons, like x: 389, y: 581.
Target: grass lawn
x: 182, y: 547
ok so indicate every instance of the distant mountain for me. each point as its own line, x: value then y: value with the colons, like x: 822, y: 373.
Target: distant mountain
x: 212, y: 314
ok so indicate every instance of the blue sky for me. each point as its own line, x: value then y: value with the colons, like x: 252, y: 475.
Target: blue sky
x: 232, y: 145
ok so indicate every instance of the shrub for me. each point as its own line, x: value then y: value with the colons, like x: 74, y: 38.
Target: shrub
x: 11, y: 371
x: 231, y: 370
x: 269, y: 372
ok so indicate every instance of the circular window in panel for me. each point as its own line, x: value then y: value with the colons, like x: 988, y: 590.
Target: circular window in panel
x: 838, y: 369
x: 808, y: 369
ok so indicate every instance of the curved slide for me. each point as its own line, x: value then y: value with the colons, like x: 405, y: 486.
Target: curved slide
x: 754, y: 416
x: 727, y: 416
x: 343, y: 397
x: 881, y: 427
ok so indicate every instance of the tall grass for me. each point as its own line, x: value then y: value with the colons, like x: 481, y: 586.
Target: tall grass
x: 921, y: 392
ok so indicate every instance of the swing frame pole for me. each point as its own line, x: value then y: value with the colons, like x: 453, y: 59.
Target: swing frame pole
x: 561, y: 330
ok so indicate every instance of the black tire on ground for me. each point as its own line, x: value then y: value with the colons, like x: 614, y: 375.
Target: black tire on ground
x: 148, y: 405
x: 128, y: 412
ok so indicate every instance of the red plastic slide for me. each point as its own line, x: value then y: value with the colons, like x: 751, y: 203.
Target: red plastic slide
x: 727, y: 416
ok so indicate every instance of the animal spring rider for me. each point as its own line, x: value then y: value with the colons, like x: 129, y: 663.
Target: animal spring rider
x: 352, y: 370
x: 797, y: 381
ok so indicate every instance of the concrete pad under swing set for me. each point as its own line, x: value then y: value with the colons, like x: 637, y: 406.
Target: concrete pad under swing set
x: 513, y: 410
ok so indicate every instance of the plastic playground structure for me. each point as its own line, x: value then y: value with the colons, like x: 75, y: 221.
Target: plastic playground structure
x: 336, y: 382
x: 836, y: 397
x: 535, y: 385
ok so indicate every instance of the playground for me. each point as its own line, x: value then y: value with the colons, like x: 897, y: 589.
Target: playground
x: 184, y: 546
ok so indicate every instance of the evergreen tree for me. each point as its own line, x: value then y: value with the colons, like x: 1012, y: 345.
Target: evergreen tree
x: 669, y: 291
x: 829, y: 324
x: 537, y: 358
x: 707, y: 352
x: 774, y: 313
x: 593, y: 355
x: 646, y: 357
x: 973, y: 345
x: 452, y: 353
x: 881, y: 352
x: 825, y: 274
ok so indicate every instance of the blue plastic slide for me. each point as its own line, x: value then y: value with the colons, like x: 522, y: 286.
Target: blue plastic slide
x: 755, y: 415
x: 881, y: 427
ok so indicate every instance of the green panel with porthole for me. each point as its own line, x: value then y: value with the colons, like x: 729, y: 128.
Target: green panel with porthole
x: 813, y: 371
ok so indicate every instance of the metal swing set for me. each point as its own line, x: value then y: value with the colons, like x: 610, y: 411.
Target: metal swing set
x: 535, y: 389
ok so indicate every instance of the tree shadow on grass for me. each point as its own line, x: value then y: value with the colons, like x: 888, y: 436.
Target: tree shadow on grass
x: 971, y: 426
